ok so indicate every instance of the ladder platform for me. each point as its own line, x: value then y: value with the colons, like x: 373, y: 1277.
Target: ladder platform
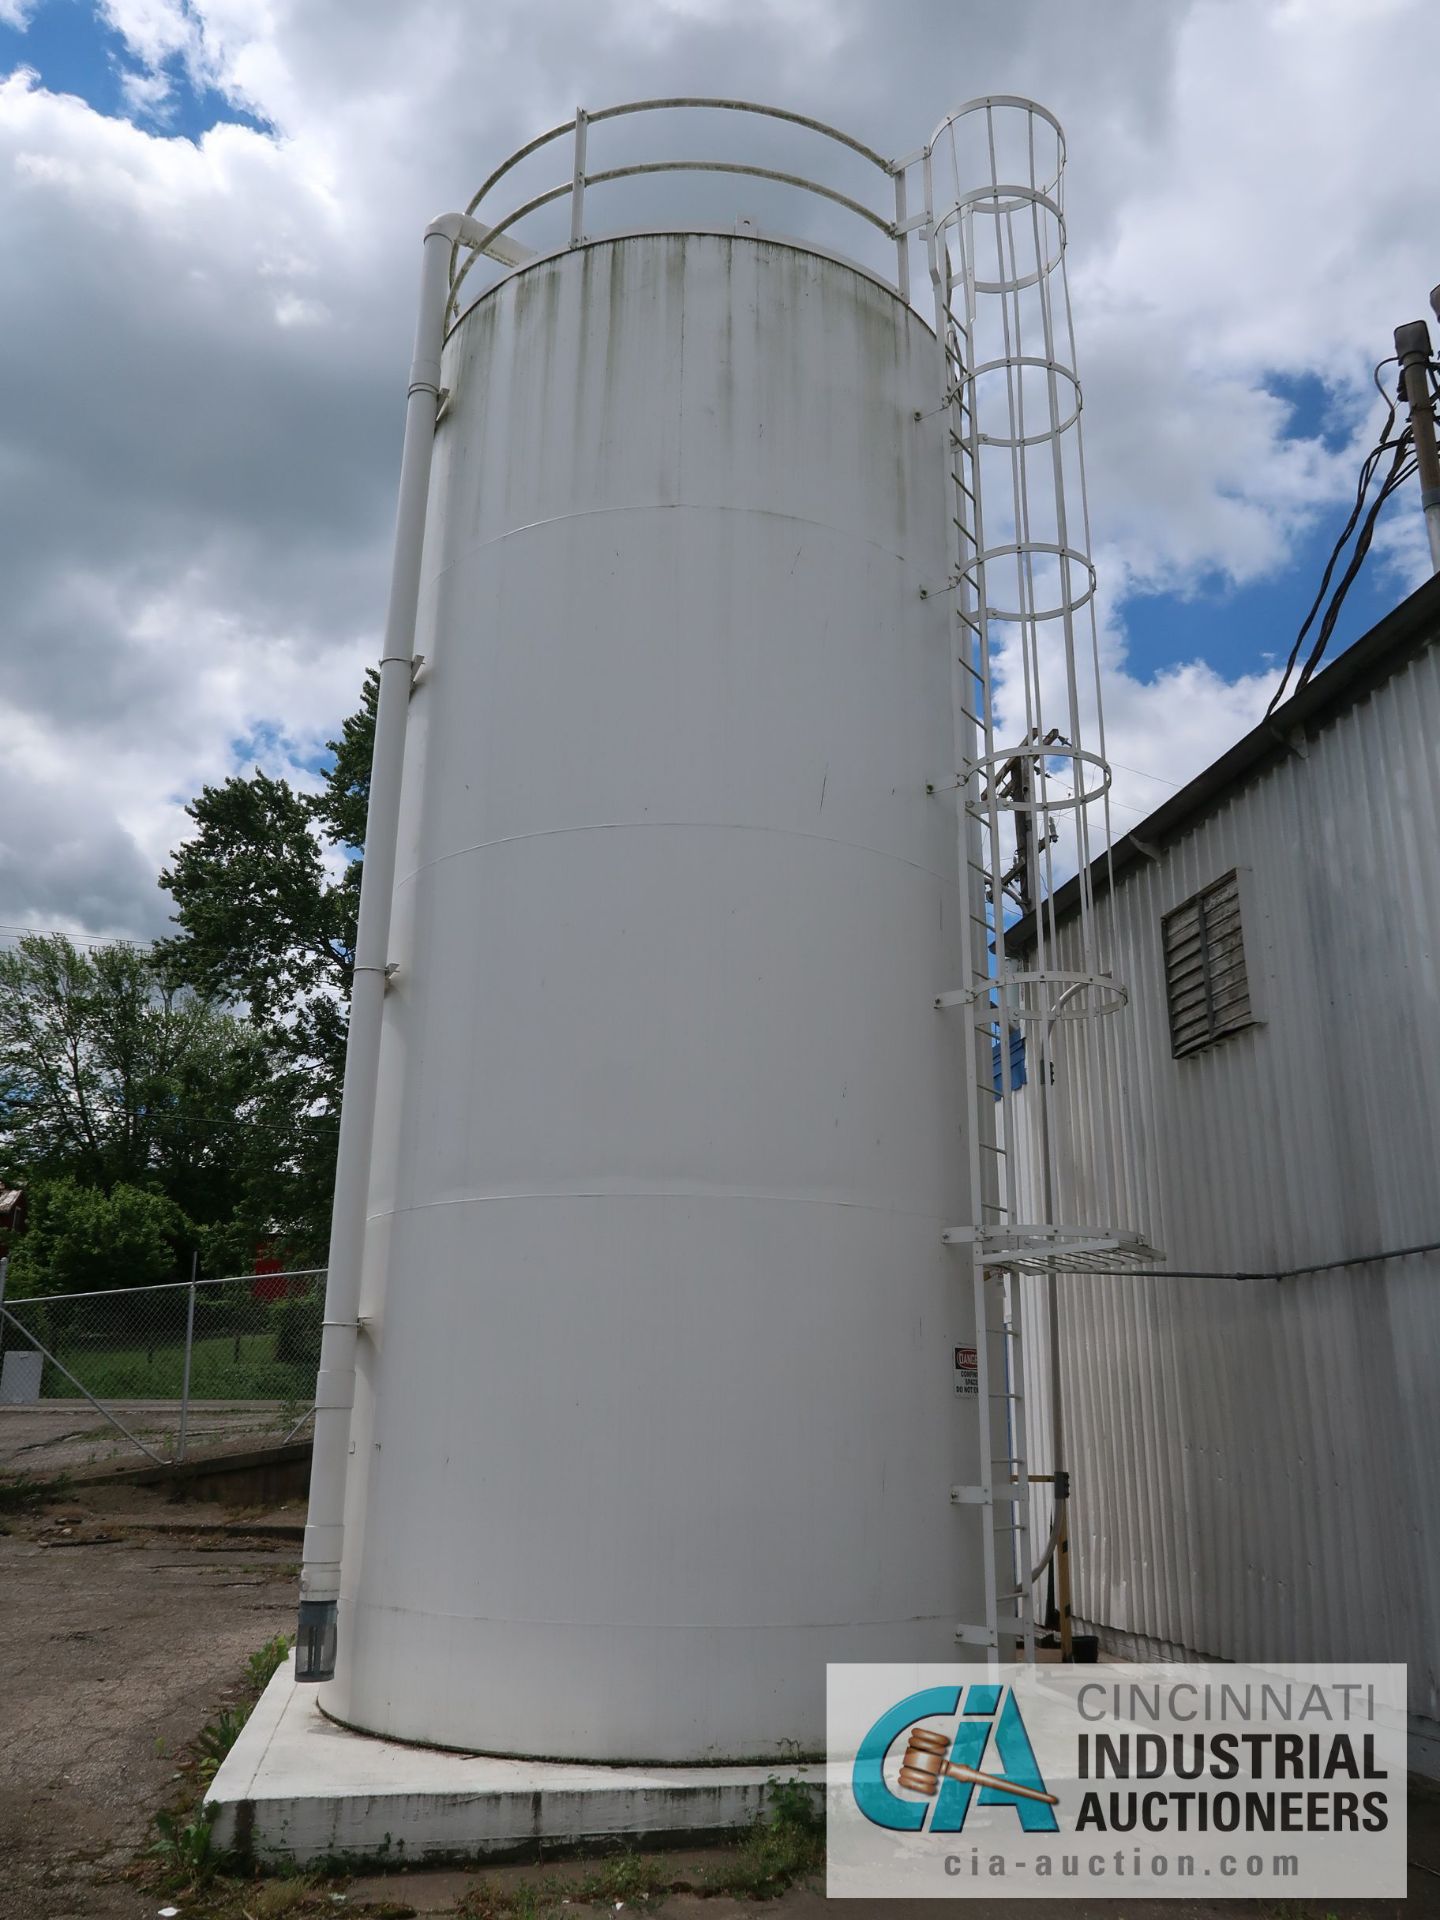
x: 1006, y: 1628
x: 1060, y: 1249
x: 1008, y: 1493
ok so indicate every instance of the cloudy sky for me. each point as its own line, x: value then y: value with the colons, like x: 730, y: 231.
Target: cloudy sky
x: 209, y: 213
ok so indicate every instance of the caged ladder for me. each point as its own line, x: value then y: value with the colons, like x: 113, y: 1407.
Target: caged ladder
x: 1032, y: 810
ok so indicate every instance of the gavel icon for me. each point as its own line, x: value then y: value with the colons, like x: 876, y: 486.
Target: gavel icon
x: 925, y: 1765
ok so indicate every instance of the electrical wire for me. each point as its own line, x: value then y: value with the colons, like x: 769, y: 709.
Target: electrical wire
x: 75, y: 939
x: 1402, y: 466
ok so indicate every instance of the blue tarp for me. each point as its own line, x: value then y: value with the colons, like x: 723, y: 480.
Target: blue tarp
x: 1017, y: 1061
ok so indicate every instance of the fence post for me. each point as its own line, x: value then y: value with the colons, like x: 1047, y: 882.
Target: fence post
x: 189, y: 1349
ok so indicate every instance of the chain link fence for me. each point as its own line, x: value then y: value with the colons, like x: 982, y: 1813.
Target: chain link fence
x: 249, y: 1338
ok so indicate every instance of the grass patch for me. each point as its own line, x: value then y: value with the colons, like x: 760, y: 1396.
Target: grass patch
x: 785, y: 1845
x: 20, y: 1494
x: 223, y: 1367
x: 773, y: 1854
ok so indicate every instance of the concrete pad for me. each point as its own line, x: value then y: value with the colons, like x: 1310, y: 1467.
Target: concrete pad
x: 297, y: 1788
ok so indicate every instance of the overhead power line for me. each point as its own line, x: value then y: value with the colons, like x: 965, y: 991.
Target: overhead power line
x: 1401, y: 447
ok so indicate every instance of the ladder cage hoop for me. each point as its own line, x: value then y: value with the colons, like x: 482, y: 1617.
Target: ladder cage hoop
x: 1080, y: 758
x: 1110, y: 996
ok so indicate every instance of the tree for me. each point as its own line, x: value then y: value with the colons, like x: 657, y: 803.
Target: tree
x: 111, y: 1075
x: 81, y: 1239
x: 264, y: 920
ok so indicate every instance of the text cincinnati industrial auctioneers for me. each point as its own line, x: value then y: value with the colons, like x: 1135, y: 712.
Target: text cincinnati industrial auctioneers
x: 1292, y: 1778
x: 1311, y: 1760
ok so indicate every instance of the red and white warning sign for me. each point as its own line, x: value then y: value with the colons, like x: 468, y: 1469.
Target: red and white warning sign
x: 967, y: 1370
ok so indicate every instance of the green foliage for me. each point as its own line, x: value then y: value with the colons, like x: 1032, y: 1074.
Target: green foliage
x: 342, y: 806
x: 795, y: 1807
x: 141, y: 1116
x: 110, y: 1074
x: 144, y: 1114
x: 215, y: 1741
x: 20, y: 1494
x: 223, y: 1367
x: 262, y: 922
x: 262, y: 1666
x: 776, y: 1852
x: 184, y: 1846
x: 784, y: 1846
x: 298, y: 1326
x: 81, y: 1238
x: 184, y: 1842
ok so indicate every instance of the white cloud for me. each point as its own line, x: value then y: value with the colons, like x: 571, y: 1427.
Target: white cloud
x: 146, y: 94
x: 204, y: 343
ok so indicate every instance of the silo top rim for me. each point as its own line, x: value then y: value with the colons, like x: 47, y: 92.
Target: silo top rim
x: 889, y: 203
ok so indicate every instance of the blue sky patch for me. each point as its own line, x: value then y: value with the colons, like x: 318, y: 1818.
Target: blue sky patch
x: 74, y: 50
x: 1234, y: 628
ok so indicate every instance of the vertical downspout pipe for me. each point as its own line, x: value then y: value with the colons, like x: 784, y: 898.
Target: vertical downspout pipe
x: 316, y: 1639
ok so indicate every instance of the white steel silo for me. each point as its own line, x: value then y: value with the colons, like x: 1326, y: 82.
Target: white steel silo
x: 655, y: 1402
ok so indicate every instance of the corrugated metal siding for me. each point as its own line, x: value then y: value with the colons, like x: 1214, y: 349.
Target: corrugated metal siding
x: 1254, y: 1460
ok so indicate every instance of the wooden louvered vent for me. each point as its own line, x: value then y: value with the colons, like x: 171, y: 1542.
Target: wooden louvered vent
x: 1205, y: 982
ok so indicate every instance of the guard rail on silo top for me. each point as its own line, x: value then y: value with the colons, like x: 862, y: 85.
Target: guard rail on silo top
x: 871, y: 207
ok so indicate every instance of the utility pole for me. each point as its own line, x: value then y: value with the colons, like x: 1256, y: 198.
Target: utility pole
x: 1412, y: 348
x: 1015, y: 786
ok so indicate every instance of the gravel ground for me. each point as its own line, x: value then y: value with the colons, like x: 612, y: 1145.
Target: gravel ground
x: 69, y: 1436
x: 125, y: 1624
x: 117, y: 1644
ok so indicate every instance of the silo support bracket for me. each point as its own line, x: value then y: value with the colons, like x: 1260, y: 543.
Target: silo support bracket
x: 414, y: 662
x: 389, y: 970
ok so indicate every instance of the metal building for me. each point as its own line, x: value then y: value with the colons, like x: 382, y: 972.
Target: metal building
x: 1253, y: 1456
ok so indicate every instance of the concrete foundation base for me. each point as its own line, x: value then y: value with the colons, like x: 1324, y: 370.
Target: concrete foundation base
x: 296, y: 1788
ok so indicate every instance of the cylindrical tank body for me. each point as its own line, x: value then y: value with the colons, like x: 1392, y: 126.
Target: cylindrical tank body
x: 657, y: 1410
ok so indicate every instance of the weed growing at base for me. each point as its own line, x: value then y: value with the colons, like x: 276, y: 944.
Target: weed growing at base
x: 184, y: 1843
x: 785, y: 1844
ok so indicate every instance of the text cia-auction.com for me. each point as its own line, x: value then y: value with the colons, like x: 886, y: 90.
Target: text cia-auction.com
x: 1149, y: 1779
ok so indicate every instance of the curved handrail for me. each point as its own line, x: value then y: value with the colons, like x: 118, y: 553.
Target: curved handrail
x: 894, y: 227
